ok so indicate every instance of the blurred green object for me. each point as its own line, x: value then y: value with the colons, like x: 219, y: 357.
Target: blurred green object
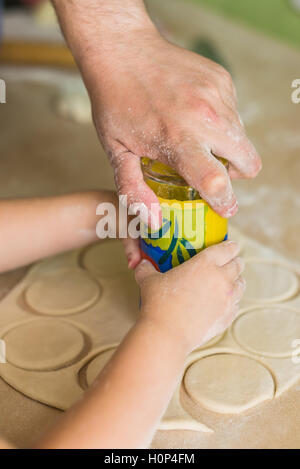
x: 208, y: 49
x: 276, y: 17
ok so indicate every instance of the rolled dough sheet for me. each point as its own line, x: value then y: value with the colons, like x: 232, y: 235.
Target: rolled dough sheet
x: 87, y: 300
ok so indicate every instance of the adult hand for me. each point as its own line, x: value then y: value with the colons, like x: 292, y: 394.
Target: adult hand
x: 152, y: 98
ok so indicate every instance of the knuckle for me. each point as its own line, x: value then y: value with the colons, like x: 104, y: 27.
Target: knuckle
x: 226, y: 76
x: 215, y: 183
x: 204, y: 108
x: 212, y: 88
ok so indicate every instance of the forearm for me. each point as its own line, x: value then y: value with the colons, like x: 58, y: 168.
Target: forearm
x: 124, y: 407
x: 92, y: 27
x: 34, y: 228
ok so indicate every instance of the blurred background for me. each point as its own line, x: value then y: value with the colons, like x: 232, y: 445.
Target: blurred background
x: 48, y: 144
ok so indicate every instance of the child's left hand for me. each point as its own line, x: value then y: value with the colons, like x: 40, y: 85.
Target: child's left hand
x: 133, y: 252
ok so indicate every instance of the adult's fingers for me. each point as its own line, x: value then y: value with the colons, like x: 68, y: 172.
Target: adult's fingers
x: 130, y: 182
x: 233, y: 145
x: 144, y: 270
x: 206, y: 174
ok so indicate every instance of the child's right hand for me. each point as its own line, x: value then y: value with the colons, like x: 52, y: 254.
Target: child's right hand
x: 198, y: 299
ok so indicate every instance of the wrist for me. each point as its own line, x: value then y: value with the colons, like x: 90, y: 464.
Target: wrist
x: 162, y: 331
x: 98, y: 28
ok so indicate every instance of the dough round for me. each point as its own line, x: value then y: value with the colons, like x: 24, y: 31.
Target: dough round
x: 43, y: 344
x: 97, y: 364
x: 268, y: 281
x: 63, y: 292
x: 106, y: 259
x: 228, y: 384
x: 268, y: 331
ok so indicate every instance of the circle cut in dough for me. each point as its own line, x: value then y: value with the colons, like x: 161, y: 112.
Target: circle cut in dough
x: 106, y: 259
x: 228, y: 383
x: 269, y: 282
x: 268, y: 331
x: 63, y: 292
x: 43, y: 344
x: 97, y: 364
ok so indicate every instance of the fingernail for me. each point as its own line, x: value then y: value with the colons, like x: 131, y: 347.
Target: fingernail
x: 144, y: 262
x: 232, y: 210
x: 231, y: 242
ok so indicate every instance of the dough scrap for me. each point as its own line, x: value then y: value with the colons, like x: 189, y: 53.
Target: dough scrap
x: 65, y: 291
x: 228, y: 383
x: 43, y: 344
x: 268, y: 281
x: 97, y: 364
x: 268, y: 331
x: 106, y: 259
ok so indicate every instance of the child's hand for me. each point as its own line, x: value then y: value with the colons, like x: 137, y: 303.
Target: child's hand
x: 198, y: 299
x: 132, y: 251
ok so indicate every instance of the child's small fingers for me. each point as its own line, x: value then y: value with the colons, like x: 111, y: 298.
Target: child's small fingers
x: 222, y: 253
x: 234, y: 268
x: 234, y: 313
x: 239, y: 289
x: 132, y: 251
x: 144, y: 270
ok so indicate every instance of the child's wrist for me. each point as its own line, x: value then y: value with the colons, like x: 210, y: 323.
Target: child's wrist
x: 166, y: 333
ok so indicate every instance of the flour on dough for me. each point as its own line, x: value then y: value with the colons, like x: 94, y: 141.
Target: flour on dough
x: 64, y: 291
x: 228, y: 383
